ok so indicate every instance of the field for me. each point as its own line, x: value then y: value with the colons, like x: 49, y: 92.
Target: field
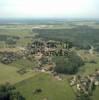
x: 51, y: 88
x: 96, y: 94
x: 9, y: 74
x: 24, y: 63
x: 89, y: 67
x: 24, y: 32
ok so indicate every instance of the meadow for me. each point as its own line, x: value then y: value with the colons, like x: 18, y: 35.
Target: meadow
x: 52, y: 89
x: 9, y: 74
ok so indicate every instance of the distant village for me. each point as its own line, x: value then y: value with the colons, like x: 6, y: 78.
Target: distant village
x: 85, y: 84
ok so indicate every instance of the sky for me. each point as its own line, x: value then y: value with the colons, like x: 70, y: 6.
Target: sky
x: 49, y: 8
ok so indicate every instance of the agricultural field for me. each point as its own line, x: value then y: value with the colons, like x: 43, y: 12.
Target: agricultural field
x: 22, y: 33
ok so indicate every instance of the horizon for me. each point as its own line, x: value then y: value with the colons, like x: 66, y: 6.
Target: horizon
x: 43, y: 20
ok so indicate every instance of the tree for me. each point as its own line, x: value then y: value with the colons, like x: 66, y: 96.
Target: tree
x: 83, y: 97
x: 9, y: 92
x: 68, y: 64
x: 11, y: 41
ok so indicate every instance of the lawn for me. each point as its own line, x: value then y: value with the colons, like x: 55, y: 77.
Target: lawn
x: 51, y: 88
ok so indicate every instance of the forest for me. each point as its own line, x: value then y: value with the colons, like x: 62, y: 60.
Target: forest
x: 80, y: 36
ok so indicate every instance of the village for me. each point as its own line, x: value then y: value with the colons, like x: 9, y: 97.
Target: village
x: 85, y: 84
x: 40, y: 50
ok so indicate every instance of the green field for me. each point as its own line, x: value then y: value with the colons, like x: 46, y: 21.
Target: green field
x: 51, y: 88
x: 9, y: 74
x: 89, y: 69
x: 24, y: 63
x: 24, y: 32
x: 96, y: 94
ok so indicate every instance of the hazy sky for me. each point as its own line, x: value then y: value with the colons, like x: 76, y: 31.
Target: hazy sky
x: 49, y: 8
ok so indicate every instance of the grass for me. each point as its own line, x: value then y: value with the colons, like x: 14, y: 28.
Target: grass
x: 9, y: 74
x: 89, y: 67
x: 24, y: 41
x: 96, y: 94
x: 51, y: 88
x: 22, y: 31
x: 24, y: 63
x: 15, y: 32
